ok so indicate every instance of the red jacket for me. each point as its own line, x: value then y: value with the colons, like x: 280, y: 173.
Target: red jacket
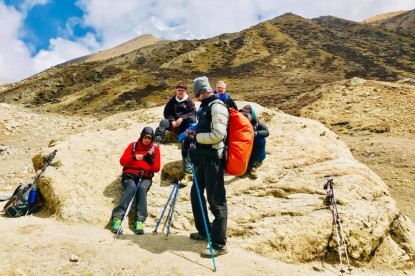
x: 135, y: 166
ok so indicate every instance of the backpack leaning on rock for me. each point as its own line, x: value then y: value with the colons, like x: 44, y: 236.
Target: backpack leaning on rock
x: 27, y: 199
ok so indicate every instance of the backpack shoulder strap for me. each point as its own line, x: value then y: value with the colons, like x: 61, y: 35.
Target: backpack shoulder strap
x: 134, y: 148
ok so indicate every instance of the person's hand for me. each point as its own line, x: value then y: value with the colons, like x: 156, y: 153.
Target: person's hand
x: 191, y: 134
x: 192, y: 153
x: 179, y: 122
x: 149, y: 158
x: 139, y: 157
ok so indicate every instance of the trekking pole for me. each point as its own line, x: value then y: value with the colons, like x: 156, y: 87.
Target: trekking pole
x: 43, y: 168
x: 129, y: 205
x: 341, y: 242
x: 176, y: 185
x: 173, y: 190
x: 204, y: 217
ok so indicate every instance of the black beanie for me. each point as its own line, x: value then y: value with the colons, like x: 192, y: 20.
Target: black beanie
x: 147, y: 130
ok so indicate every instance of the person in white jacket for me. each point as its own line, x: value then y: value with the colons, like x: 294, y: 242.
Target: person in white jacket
x: 209, y: 166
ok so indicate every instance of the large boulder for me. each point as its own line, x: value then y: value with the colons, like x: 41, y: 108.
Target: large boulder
x: 282, y: 214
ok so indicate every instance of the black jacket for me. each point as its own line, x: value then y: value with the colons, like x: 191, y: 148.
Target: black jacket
x: 175, y: 110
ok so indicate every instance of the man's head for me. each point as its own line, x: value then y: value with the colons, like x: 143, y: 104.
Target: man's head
x: 181, y: 90
x: 201, y: 87
x: 220, y: 87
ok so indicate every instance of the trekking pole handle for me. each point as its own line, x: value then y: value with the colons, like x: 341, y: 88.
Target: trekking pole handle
x: 51, y: 156
x: 329, y: 184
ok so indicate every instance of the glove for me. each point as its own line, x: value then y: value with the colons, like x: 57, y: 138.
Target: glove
x: 192, y: 153
x: 190, y: 138
x: 149, y: 158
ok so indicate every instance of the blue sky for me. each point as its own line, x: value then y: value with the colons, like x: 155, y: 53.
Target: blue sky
x: 37, y: 34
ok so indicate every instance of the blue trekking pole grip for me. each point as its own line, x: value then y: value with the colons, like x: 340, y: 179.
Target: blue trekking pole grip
x: 204, y: 217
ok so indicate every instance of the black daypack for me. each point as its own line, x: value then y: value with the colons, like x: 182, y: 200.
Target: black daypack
x: 27, y: 198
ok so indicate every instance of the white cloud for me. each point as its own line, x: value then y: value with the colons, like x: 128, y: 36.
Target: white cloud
x: 62, y: 50
x: 15, y: 62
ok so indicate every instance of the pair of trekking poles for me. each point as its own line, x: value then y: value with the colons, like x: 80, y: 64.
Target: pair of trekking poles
x: 341, y: 243
x: 173, y: 199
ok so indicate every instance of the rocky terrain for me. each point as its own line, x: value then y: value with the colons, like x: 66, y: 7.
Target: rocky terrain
x: 281, y: 216
x: 376, y: 120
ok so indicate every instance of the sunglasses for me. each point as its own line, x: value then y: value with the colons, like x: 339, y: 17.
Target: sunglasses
x: 147, y: 137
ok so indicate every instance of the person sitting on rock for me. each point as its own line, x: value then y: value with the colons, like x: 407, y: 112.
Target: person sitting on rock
x: 223, y: 96
x: 179, y: 113
x: 140, y: 160
x: 258, y: 152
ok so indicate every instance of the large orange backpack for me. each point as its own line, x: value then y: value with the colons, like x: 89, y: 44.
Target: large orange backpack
x: 240, y: 141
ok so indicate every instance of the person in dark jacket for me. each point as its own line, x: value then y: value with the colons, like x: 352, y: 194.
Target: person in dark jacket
x: 258, y: 152
x: 206, y: 153
x: 179, y: 113
x: 140, y: 159
x: 223, y: 96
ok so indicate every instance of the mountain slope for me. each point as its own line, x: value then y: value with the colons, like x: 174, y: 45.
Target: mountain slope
x: 124, y: 48
x: 402, y: 23
x: 275, y: 63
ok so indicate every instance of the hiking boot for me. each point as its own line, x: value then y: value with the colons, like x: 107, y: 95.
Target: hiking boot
x: 138, y: 227
x: 186, y: 180
x: 196, y: 236
x: 115, y: 224
x: 157, y: 141
x: 253, y: 173
x: 216, y: 252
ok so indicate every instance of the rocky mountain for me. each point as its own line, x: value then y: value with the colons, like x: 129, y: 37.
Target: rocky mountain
x: 382, y: 16
x: 402, y: 23
x: 124, y: 48
x: 275, y: 63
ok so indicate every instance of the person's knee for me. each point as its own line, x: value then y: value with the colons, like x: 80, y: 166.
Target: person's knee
x: 164, y: 123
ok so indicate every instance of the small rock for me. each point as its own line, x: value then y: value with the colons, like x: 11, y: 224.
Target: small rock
x: 319, y: 269
x: 74, y: 258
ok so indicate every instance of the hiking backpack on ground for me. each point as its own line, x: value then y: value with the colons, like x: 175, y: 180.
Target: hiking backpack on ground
x: 239, y: 142
x: 27, y: 199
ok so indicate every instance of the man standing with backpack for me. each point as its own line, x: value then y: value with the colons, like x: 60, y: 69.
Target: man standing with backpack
x: 209, y: 166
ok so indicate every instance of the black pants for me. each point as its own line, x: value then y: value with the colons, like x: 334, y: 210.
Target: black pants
x: 129, y: 183
x: 209, y: 175
x: 166, y: 125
